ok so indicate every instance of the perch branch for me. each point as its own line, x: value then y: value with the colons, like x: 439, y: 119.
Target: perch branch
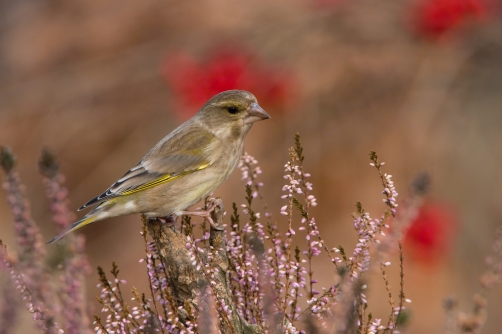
x: 186, y: 279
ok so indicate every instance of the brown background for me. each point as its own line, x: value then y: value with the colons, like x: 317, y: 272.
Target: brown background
x: 84, y: 79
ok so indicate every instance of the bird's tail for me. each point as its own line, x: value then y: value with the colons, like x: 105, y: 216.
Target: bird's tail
x: 89, y: 218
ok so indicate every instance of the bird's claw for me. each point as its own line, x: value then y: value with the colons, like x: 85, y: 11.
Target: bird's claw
x: 206, y: 214
x: 213, y: 203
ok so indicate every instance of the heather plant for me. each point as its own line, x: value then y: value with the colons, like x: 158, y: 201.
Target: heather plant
x: 252, y: 272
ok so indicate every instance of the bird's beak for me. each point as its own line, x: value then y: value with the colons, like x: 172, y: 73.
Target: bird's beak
x: 255, y: 114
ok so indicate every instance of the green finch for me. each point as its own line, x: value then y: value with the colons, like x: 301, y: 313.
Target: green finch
x: 184, y: 167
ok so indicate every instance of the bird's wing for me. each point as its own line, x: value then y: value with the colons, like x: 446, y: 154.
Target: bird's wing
x: 179, y: 154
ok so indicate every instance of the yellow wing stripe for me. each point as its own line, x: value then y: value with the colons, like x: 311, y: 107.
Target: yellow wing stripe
x: 161, y: 180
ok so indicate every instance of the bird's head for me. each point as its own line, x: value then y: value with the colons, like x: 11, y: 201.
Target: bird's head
x: 231, y: 113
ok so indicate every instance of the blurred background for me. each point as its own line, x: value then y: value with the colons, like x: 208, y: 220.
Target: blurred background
x: 420, y: 82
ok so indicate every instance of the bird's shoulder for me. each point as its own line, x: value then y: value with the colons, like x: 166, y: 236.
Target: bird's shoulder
x: 190, y: 139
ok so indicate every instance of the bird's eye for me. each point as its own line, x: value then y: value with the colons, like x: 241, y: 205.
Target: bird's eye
x: 232, y: 109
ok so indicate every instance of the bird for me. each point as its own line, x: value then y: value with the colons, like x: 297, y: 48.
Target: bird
x: 184, y: 167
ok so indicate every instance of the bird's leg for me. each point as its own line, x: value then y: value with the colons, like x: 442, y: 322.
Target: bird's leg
x: 170, y: 220
x: 206, y: 213
x: 212, y: 203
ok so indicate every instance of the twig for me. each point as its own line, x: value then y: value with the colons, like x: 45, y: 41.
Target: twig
x: 401, y: 284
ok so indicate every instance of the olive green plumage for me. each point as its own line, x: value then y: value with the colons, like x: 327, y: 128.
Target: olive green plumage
x: 184, y: 167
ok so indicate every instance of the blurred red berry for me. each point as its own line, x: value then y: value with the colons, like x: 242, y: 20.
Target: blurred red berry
x: 430, y: 236
x: 433, y: 18
x: 194, y: 83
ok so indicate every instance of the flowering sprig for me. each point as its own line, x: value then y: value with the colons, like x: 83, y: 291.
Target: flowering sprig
x: 392, y: 321
x: 119, y: 318
x: 472, y: 322
x: 298, y: 283
x: 250, y: 170
x: 389, y: 190
x: 29, y: 238
x: 271, y: 265
x: 43, y: 316
x: 235, y: 253
x: 368, y: 230
x: 76, y: 265
x: 246, y: 266
x: 311, y: 227
x: 371, y: 232
x: 299, y: 197
x: 493, y: 274
x: 274, y: 254
x: 267, y: 266
x: 288, y: 266
x: 27, y: 231
x: 234, y: 282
